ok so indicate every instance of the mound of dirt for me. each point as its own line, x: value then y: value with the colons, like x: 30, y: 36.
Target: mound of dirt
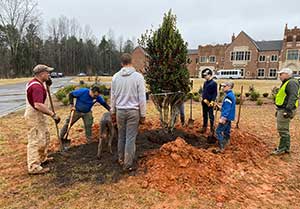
x: 177, y: 165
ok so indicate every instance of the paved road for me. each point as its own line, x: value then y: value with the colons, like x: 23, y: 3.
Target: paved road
x: 12, y: 96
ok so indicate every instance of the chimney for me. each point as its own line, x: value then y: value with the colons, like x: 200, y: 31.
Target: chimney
x: 232, y: 37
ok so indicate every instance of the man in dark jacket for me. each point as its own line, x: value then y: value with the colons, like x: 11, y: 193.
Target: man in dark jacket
x: 227, y: 115
x: 286, y: 102
x: 209, y: 95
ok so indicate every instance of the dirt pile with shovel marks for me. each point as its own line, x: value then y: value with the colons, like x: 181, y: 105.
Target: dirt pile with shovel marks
x: 177, y: 165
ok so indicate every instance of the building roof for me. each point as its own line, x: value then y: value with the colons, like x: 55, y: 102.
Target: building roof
x: 275, y: 45
x: 192, y: 51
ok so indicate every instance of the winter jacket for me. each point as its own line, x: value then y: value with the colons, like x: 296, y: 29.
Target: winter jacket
x: 210, y: 90
x: 228, y: 106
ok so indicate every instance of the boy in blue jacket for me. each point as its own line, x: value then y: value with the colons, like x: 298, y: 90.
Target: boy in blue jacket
x: 227, y: 115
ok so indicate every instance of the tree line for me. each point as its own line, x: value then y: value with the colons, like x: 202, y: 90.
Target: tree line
x: 66, y: 45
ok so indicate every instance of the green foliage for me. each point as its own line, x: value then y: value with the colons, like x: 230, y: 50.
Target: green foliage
x: 65, y: 101
x: 167, y: 58
x: 259, y: 102
x: 237, y: 94
x: 238, y: 100
x: 196, y: 97
x: 166, y: 68
x: 200, y: 90
x: 265, y: 95
x: 254, y: 95
x: 63, y: 93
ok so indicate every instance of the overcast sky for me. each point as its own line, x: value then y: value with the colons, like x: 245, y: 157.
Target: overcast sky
x: 200, y: 22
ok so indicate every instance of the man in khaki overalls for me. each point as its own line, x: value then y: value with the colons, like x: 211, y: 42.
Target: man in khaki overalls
x: 38, y: 135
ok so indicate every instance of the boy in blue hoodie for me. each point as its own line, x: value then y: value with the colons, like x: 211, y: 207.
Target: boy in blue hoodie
x: 227, y: 115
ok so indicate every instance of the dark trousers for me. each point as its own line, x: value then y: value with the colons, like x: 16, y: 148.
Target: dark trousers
x: 208, y: 112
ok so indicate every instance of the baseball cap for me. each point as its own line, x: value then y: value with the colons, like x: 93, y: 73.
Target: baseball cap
x: 40, y: 68
x: 228, y: 83
x: 285, y: 70
x: 207, y: 71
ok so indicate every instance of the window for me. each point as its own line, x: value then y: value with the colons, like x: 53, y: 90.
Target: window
x: 262, y: 58
x: 261, y: 73
x: 197, y: 60
x: 298, y: 38
x: 289, y: 39
x: 247, y: 55
x: 203, y: 59
x: 242, y: 72
x: 292, y: 54
x: 274, y: 58
x: 212, y: 59
x: 272, y: 72
x: 240, y: 55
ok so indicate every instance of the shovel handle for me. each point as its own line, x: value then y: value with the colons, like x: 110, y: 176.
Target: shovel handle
x: 69, y: 125
x: 56, y: 126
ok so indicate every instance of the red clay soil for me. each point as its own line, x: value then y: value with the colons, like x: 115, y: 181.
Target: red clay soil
x: 179, y: 166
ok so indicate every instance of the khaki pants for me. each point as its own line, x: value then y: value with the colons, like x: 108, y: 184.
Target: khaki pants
x: 38, y: 138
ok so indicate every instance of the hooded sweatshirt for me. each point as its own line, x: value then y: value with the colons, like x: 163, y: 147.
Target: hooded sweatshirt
x: 128, y: 91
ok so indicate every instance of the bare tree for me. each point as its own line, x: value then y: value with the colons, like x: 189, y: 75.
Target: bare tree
x: 15, y: 16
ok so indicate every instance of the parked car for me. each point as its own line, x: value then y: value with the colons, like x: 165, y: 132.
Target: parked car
x: 81, y: 74
x: 54, y: 75
x: 60, y: 75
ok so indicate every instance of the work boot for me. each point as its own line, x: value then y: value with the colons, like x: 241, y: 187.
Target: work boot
x: 41, y: 171
x: 221, y: 148
x: 203, y: 130
x: 182, y: 121
x: 280, y: 151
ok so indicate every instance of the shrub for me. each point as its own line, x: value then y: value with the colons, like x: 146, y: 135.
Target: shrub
x: 251, y: 88
x: 254, y: 95
x: 247, y: 94
x: 196, y: 97
x: 237, y: 94
x: 65, y: 101
x: 200, y: 90
x: 238, y: 100
x: 265, y: 95
x: 106, y: 98
x: 259, y: 102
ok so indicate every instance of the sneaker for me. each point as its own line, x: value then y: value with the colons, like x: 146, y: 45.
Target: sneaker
x: 203, y: 130
x: 41, y: 171
x: 281, y: 151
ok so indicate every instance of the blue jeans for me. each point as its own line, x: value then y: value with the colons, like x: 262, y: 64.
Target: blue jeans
x: 223, y: 131
x: 128, y: 123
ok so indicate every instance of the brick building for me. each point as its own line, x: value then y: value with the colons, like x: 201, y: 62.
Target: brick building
x: 139, y: 59
x: 255, y: 59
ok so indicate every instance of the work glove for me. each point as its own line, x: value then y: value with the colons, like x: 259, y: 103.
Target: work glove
x: 211, y: 104
x: 49, y: 82
x: 56, y: 118
x: 206, y: 101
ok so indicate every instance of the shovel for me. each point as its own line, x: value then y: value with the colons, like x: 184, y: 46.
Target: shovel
x: 69, y: 125
x: 191, y: 121
x: 211, y: 139
x: 52, y: 108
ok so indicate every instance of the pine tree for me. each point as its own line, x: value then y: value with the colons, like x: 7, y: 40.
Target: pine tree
x: 167, y: 75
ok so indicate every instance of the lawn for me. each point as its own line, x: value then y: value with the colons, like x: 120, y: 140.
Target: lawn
x: 13, y: 81
x: 246, y: 176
